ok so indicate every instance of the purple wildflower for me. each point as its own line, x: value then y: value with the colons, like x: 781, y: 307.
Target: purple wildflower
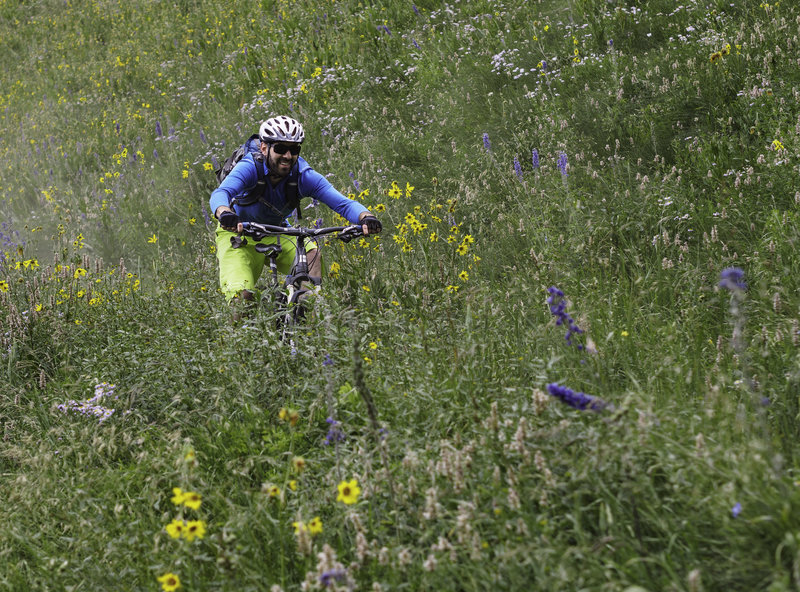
x: 91, y: 407
x: 562, y: 163
x: 732, y: 278
x: 416, y: 10
x: 335, y: 433
x: 736, y: 510
x: 159, y: 133
x: 328, y: 361
x: 517, y: 167
x: 575, y: 399
x: 414, y: 41
x: 486, y: 144
x: 328, y: 577
x: 558, y: 307
x: 535, y: 158
x: 203, y: 137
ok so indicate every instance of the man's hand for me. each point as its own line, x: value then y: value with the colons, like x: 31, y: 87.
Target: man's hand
x: 370, y: 224
x: 229, y: 221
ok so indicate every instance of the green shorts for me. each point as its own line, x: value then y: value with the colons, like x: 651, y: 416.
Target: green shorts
x: 239, y: 269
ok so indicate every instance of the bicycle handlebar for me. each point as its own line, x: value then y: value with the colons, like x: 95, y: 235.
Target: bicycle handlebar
x: 259, y: 231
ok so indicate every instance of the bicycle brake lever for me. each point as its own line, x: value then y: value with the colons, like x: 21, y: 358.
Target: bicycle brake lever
x: 349, y: 234
x: 238, y: 241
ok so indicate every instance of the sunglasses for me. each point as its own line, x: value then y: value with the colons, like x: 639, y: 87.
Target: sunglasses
x: 284, y: 148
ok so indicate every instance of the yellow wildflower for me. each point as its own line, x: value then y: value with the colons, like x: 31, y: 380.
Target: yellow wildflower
x: 177, y: 496
x: 169, y: 582
x: 195, y: 529
x: 315, y: 526
x: 175, y: 528
x: 348, y: 492
x: 394, y: 192
x: 192, y: 500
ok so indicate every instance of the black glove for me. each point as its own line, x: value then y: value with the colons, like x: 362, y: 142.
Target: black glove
x: 228, y: 220
x: 372, y: 223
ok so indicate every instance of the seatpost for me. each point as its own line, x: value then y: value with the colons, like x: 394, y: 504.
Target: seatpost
x: 273, y: 267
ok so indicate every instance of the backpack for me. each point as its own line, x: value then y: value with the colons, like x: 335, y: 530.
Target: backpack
x: 251, y: 147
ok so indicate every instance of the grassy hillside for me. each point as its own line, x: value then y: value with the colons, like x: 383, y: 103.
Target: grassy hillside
x: 622, y: 174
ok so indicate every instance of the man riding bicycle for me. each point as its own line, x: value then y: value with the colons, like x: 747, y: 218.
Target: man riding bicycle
x: 287, y: 178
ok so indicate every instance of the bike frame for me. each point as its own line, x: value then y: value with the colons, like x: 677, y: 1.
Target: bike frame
x: 299, y: 271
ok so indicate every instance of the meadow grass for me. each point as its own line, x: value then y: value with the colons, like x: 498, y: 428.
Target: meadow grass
x: 408, y: 438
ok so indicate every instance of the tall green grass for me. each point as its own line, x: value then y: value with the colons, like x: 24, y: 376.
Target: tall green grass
x: 626, y: 153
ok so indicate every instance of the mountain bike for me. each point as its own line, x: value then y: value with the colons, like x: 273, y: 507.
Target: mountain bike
x: 285, y: 298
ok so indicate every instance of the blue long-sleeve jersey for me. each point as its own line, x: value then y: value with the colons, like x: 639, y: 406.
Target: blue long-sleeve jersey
x: 273, y: 207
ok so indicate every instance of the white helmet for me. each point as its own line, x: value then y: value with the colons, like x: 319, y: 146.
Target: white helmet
x: 281, y: 129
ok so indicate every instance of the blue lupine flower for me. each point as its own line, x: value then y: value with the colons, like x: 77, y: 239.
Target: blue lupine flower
x: 575, y: 399
x: 414, y: 41
x: 517, y: 167
x: 736, y: 510
x: 486, y: 143
x: 535, y: 158
x: 544, y: 66
x: 327, y: 578
x: 203, y: 137
x: 335, y: 433
x: 328, y: 361
x: 732, y: 278
x: 416, y: 10
x: 558, y: 307
x: 562, y: 163
x: 158, y: 129
x: 355, y: 183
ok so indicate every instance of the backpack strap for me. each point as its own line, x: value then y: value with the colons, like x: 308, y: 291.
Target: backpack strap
x: 257, y: 192
x: 292, y: 196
